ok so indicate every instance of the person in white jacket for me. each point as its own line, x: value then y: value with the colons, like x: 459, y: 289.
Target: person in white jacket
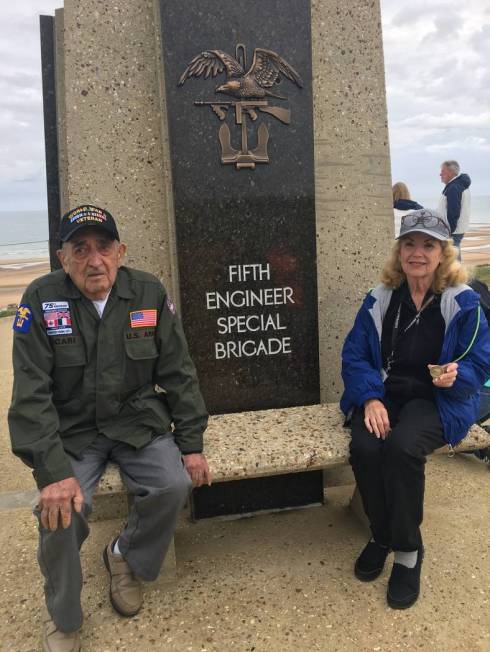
x: 455, y: 202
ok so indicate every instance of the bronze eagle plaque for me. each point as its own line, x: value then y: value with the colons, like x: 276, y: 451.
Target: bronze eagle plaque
x: 251, y: 88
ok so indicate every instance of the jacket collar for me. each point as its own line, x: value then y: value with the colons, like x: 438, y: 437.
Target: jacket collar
x: 453, y: 300
x: 122, y: 287
x: 453, y: 179
x: 379, y: 299
x: 456, y: 299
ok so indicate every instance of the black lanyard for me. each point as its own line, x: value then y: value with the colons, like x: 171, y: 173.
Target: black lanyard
x: 396, y: 328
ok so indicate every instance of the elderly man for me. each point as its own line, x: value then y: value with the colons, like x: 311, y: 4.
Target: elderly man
x: 455, y: 201
x: 101, y: 372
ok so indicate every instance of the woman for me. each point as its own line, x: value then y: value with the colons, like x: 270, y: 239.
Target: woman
x: 402, y: 204
x: 412, y: 368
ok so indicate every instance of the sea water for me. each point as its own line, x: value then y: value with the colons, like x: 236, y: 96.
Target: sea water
x: 23, y: 235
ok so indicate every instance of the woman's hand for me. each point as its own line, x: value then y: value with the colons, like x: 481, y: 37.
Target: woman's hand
x: 448, y: 378
x: 376, y: 418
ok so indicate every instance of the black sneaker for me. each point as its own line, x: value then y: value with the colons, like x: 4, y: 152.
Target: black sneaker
x: 371, y: 562
x: 404, y: 584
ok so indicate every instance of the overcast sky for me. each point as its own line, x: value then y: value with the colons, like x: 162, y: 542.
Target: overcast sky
x: 437, y: 55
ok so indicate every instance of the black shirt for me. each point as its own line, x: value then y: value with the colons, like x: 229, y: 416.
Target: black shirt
x: 414, y: 348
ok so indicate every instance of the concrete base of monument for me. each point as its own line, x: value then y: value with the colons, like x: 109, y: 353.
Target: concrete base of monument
x: 241, y: 497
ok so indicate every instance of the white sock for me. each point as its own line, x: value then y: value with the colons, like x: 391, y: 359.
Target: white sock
x: 115, y: 549
x: 408, y: 559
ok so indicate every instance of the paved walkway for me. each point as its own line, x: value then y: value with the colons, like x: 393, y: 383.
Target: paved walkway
x: 278, y: 582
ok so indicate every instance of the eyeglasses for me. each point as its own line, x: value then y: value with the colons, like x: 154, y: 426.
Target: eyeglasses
x: 428, y: 219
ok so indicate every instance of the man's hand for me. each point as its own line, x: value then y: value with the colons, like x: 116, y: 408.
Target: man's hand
x: 448, y: 377
x: 60, y: 498
x: 376, y: 418
x: 197, y: 467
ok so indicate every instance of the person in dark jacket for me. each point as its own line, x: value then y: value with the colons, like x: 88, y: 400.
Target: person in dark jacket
x: 412, y: 366
x: 402, y: 199
x: 455, y: 202
x: 102, y: 373
x: 402, y: 203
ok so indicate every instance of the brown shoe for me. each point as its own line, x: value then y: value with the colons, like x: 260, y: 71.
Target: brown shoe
x: 56, y: 641
x: 125, y: 590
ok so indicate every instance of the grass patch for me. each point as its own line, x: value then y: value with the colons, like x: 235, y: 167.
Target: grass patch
x: 482, y: 273
x: 7, y: 312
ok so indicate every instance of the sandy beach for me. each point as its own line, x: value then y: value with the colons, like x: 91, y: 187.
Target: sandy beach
x: 15, y: 275
x: 476, y: 245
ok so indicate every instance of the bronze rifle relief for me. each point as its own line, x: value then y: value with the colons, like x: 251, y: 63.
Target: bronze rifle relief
x: 251, y: 88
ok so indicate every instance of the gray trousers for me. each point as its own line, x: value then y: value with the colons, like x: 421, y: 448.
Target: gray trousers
x: 159, y: 484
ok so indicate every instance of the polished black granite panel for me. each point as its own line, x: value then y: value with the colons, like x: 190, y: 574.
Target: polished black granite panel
x: 46, y: 25
x: 243, y: 182
x: 258, y: 494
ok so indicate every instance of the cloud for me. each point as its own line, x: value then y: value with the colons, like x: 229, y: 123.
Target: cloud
x: 448, y: 24
x: 469, y: 143
x: 409, y: 16
x: 438, y: 84
x: 480, y: 41
x: 437, y: 55
x: 22, y: 162
x: 448, y: 120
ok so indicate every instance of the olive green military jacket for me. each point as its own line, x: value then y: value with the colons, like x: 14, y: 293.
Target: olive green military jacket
x: 127, y: 376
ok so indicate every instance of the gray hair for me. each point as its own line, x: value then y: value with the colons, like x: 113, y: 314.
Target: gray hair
x: 452, y: 165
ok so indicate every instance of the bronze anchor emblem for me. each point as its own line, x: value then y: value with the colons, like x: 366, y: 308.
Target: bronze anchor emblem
x: 250, y: 88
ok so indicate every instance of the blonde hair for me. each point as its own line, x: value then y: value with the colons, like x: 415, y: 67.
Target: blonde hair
x: 400, y: 191
x: 449, y: 273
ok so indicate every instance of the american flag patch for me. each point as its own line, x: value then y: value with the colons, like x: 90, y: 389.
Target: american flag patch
x: 140, y: 318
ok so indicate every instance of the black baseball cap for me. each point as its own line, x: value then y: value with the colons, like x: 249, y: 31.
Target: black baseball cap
x: 87, y: 215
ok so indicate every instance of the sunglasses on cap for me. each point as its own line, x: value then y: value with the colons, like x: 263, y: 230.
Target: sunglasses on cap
x: 427, y: 219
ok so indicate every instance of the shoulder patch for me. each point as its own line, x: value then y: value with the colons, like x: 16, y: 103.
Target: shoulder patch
x: 170, y: 305
x: 22, y: 319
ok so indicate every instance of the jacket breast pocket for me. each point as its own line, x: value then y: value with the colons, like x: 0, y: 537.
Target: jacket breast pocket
x: 141, y: 356
x: 141, y: 349
x: 68, y: 370
x: 69, y: 355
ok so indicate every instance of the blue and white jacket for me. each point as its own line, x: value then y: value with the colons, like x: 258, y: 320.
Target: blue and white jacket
x: 458, y: 405
x: 455, y: 203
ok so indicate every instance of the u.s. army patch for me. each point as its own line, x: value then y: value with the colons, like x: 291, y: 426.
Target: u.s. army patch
x: 22, y: 319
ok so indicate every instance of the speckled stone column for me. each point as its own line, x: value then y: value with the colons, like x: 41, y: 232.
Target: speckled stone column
x: 114, y: 152
x: 116, y: 147
x: 352, y: 169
